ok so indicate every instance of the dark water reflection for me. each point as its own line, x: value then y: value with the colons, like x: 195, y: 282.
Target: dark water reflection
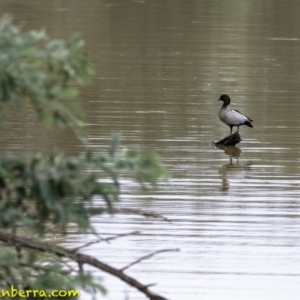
x: 161, y: 66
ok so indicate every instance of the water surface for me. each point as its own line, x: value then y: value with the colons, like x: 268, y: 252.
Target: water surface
x: 161, y: 66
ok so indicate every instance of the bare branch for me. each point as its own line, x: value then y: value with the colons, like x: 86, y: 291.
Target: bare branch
x: 141, y: 213
x: 147, y: 257
x: 80, y: 268
x: 131, y: 211
x: 105, y: 240
x: 79, y: 258
x: 71, y: 269
x: 121, y: 235
x: 151, y: 284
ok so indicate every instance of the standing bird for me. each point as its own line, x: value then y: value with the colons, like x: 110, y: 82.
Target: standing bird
x: 232, y: 117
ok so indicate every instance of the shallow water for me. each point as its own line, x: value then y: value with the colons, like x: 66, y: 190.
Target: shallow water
x: 161, y: 66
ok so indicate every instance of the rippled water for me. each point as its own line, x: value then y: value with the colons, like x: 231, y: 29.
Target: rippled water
x: 161, y: 66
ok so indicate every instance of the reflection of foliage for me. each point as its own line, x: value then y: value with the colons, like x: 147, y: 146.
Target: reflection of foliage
x: 38, y: 193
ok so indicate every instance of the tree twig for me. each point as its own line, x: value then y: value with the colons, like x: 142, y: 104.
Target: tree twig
x: 146, y: 257
x: 79, y: 258
x: 131, y: 211
x: 105, y: 240
x: 120, y: 235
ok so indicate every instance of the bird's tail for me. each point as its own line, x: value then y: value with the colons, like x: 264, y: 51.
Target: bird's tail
x: 248, y: 123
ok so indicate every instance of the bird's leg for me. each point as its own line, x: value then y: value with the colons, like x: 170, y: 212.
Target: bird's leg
x: 238, y: 129
x: 230, y: 130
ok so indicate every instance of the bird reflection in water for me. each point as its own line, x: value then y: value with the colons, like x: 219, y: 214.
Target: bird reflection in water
x: 232, y: 170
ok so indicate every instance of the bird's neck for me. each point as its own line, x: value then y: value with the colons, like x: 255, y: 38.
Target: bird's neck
x: 224, y: 106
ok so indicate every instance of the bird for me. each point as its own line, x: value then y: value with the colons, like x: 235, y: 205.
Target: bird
x: 232, y: 117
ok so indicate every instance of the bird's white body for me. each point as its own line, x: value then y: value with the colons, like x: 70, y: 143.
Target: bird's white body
x: 232, y: 117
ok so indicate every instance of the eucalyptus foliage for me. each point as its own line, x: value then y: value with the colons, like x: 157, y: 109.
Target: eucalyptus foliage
x: 44, y: 71
x: 37, y: 192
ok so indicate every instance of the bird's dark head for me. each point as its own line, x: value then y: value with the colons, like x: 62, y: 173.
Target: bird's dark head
x: 225, y: 98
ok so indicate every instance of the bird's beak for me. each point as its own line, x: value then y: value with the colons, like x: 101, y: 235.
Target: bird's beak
x: 219, y: 99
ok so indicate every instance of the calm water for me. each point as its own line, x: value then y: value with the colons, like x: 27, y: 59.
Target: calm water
x: 161, y: 66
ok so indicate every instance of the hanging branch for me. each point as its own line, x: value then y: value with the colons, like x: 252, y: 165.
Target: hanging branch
x: 80, y: 259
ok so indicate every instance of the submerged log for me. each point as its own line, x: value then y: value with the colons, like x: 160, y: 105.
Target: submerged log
x: 230, y: 140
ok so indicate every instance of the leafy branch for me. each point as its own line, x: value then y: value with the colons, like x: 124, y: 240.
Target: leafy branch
x: 44, y: 71
x: 37, y: 192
